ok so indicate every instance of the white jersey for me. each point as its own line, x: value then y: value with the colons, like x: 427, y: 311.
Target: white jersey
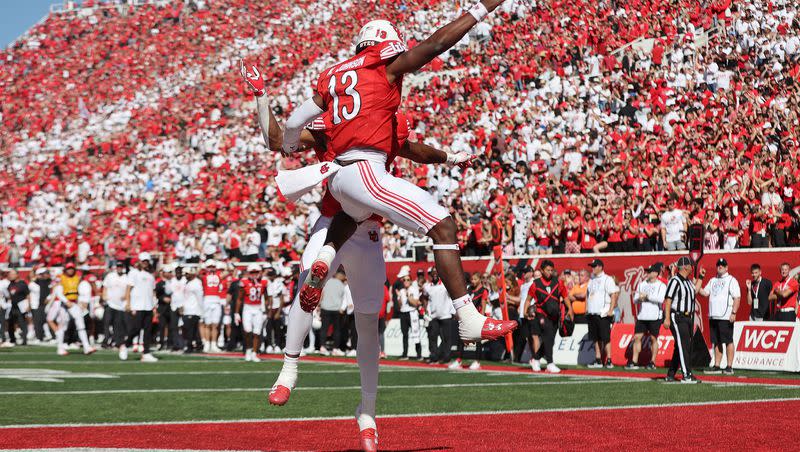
x: 114, y: 286
x: 650, y: 296
x: 143, y: 286
x: 440, y: 306
x: 721, y: 292
x: 598, y: 294
x: 193, y: 297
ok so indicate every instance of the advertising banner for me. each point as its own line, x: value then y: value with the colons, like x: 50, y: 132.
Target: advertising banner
x: 767, y: 346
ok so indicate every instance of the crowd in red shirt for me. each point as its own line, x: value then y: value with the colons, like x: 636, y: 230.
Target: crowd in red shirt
x: 126, y: 129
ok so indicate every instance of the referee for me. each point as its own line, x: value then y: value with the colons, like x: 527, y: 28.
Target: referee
x: 679, y: 305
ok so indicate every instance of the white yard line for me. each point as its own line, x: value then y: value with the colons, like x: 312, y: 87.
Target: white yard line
x: 307, y: 388
x: 410, y: 415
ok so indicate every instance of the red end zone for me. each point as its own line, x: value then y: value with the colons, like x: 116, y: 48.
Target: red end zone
x: 699, y: 427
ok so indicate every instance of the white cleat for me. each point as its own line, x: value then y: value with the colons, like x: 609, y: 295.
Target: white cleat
x: 536, y: 366
x: 62, y: 351
x: 455, y: 365
x: 123, y: 353
x: 476, y: 365
x: 248, y: 355
x: 149, y: 358
x: 207, y: 347
x: 553, y: 369
x: 254, y: 358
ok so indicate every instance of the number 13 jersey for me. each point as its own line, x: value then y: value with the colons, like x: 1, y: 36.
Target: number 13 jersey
x: 360, y: 101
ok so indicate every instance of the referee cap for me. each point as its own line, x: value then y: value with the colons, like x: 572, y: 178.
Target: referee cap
x: 684, y: 261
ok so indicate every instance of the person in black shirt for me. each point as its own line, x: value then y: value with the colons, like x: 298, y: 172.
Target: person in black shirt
x: 543, y: 309
x: 758, y: 290
x: 679, y: 304
x: 163, y: 309
x: 39, y: 319
x: 17, y: 292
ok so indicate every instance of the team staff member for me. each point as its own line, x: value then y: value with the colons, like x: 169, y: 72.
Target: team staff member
x: 40, y: 293
x: 67, y: 296
x: 577, y: 298
x: 724, y: 295
x: 650, y: 297
x: 601, y: 299
x: 547, y: 294
x: 480, y: 298
x: 175, y: 287
x: 164, y: 297
x: 139, y: 304
x: 17, y: 292
x: 758, y: 291
x: 784, y: 295
x: 192, y: 309
x: 440, y: 308
x: 679, y: 304
x: 115, y: 321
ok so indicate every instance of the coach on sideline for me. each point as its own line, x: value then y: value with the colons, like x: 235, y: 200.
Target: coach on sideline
x: 724, y: 295
x: 601, y: 299
x: 679, y: 304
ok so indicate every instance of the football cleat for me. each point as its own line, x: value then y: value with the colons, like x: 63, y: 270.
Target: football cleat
x: 369, y: 440
x: 311, y: 292
x: 494, y: 329
x: 62, y: 352
x: 279, y: 395
x: 89, y: 351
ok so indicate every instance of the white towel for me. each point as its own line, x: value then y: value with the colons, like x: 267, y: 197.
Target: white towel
x: 296, y: 183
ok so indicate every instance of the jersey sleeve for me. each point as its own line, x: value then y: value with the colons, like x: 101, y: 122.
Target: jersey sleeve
x: 388, y: 50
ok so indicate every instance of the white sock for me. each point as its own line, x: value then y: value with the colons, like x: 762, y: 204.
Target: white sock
x: 298, y: 326
x: 326, y: 254
x: 368, y: 357
x: 84, y: 339
x: 60, y: 338
x: 470, y: 321
x: 288, y: 375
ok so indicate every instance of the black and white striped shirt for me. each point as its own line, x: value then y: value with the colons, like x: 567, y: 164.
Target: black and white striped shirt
x: 681, y: 291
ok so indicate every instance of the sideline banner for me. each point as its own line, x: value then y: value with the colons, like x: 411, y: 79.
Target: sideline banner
x: 622, y: 346
x: 767, y: 346
x: 574, y: 350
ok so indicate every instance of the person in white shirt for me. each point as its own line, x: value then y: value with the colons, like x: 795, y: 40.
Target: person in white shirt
x: 250, y: 246
x: 174, y: 287
x: 441, y: 326
x: 409, y: 314
x: 276, y: 298
x: 601, y: 299
x: 139, y: 303
x: 649, y: 298
x: 724, y: 295
x: 115, y: 284
x: 673, y: 227
x: 191, y: 306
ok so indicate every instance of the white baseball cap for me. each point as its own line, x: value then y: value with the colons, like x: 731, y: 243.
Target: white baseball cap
x: 253, y: 268
x: 144, y: 256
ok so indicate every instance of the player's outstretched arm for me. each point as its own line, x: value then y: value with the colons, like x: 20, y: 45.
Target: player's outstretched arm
x: 422, y: 153
x: 440, y: 41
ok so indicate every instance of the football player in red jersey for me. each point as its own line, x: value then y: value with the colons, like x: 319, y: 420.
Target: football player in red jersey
x: 251, y: 304
x: 362, y: 256
x: 361, y: 96
x: 214, y: 293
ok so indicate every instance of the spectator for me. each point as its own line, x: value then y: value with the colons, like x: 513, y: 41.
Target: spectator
x: 650, y: 297
x: 673, y: 226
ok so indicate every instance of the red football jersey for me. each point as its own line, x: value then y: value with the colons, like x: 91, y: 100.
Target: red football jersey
x: 330, y: 206
x: 213, y: 286
x: 253, y: 291
x: 360, y: 101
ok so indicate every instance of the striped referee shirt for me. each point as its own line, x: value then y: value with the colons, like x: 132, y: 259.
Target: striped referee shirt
x: 681, y: 291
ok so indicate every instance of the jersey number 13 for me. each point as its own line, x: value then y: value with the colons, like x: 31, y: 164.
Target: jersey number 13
x: 349, y: 80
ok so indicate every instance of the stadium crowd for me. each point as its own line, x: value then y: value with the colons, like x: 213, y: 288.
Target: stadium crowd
x: 153, y: 145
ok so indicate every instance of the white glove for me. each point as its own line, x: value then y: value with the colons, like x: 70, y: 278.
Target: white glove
x: 462, y: 159
x: 237, y: 318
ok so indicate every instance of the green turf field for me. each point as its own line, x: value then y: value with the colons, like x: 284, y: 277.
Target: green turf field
x: 38, y: 387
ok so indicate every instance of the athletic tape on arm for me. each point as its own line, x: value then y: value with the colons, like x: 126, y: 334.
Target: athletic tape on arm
x: 302, y: 115
x: 454, y: 247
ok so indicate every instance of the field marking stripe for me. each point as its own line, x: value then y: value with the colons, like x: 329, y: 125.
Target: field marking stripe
x: 411, y: 415
x: 308, y: 388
